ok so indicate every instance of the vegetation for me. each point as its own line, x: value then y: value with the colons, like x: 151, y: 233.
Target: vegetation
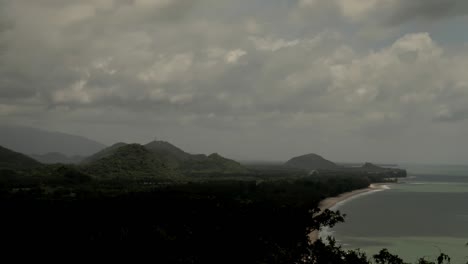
x: 16, y: 161
x: 130, y: 161
x: 157, y: 160
x: 263, y: 214
x: 194, y: 222
x: 311, y: 162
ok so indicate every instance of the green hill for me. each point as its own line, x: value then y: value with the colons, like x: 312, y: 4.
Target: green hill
x: 214, y: 163
x: 311, y: 162
x: 157, y: 159
x: 166, y: 149
x: 190, y: 164
x: 173, y: 156
x: 129, y: 161
x: 16, y: 161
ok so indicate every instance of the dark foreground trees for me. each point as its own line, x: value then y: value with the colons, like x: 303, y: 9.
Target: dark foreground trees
x: 205, y: 222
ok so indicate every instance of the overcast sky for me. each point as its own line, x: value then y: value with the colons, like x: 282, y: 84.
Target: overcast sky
x: 352, y: 80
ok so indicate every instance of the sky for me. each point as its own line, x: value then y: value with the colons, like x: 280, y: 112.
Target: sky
x: 352, y: 80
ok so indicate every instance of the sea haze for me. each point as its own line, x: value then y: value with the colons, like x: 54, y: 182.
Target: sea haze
x: 418, y: 217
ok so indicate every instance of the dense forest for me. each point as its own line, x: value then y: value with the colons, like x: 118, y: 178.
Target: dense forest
x: 225, y: 221
x: 173, y: 207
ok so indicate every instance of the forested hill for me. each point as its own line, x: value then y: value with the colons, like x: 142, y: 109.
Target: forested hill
x: 129, y: 161
x: 12, y: 160
x: 311, y: 162
x: 156, y: 159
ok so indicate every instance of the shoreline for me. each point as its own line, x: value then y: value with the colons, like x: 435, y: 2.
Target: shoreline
x: 330, y: 202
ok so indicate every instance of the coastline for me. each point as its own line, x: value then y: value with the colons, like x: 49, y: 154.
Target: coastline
x: 330, y: 202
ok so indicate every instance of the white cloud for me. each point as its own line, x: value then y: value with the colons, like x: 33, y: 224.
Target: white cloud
x: 356, y: 9
x: 181, y: 98
x: 234, y: 55
x: 76, y: 93
x: 167, y: 69
x: 269, y: 44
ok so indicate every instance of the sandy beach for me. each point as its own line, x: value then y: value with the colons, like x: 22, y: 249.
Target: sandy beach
x: 332, y: 201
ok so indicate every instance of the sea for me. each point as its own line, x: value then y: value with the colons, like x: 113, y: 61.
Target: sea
x: 420, y: 216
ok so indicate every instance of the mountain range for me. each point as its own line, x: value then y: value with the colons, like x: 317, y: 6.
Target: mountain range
x: 33, y: 141
x: 161, y: 159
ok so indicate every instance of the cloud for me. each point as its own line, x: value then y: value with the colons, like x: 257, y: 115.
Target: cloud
x: 356, y: 9
x: 384, y: 13
x: 251, y: 71
x: 269, y: 44
x: 234, y: 55
x: 405, y: 11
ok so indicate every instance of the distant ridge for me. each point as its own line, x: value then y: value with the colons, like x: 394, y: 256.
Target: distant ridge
x: 311, y: 162
x: 323, y: 166
x: 55, y: 157
x: 29, y: 140
x: 371, y: 167
x: 10, y: 159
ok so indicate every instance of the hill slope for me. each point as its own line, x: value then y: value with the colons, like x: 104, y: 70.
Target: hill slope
x: 16, y: 161
x: 311, y: 162
x: 194, y: 163
x: 103, y: 153
x: 164, y: 148
x: 35, y: 141
x: 212, y: 164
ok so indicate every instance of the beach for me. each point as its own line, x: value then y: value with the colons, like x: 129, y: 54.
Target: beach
x: 331, y: 202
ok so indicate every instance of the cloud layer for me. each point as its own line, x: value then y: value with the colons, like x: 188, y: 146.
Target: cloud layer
x: 251, y: 79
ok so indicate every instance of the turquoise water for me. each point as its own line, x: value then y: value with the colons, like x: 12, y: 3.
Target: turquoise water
x: 421, y: 216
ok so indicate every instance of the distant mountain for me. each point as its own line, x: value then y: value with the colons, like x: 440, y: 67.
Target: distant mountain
x: 55, y: 157
x: 10, y: 159
x: 325, y: 167
x: 311, y: 162
x: 35, y: 141
x: 372, y: 167
x: 157, y: 158
x: 388, y: 172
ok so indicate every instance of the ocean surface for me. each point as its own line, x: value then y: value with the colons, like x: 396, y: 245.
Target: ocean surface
x: 421, y: 216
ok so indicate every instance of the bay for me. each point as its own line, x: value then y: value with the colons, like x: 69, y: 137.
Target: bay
x: 421, y: 216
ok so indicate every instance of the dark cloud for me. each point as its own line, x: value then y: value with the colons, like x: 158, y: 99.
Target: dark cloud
x: 427, y: 10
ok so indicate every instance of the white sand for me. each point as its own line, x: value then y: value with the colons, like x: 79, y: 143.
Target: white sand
x: 330, y: 202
